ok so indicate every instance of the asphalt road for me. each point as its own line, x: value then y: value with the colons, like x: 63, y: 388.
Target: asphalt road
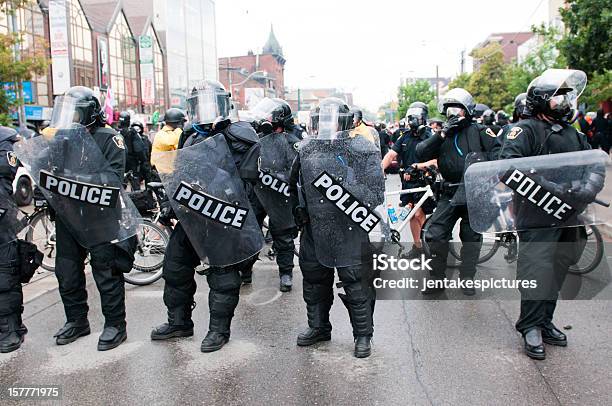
x: 459, y: 352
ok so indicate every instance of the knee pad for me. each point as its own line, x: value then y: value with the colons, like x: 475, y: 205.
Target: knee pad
x: 224, y: 279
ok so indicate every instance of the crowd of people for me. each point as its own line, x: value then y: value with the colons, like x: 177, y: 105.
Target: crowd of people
x: 224, y: 176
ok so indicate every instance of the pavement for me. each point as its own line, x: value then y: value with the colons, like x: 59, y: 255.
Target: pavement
x: 452, y: 352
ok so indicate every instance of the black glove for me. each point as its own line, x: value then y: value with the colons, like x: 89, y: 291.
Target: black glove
x: 166, y: 213
x: 300, y: 215
x: 583, y: 193
x: 453, y: 125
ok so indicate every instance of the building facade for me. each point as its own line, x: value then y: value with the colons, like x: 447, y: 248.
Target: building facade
x: 509, y: 42
x: 253, y: 76
x: 116, y: 47
x: 189, y: 29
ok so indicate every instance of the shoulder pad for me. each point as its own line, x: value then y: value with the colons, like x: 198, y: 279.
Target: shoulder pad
x: 105, y: 131
x: 292, y: 138
x: 243, y: 131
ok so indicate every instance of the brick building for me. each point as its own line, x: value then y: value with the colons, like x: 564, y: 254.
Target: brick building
x: 253, y: 76
x: 509, y: 41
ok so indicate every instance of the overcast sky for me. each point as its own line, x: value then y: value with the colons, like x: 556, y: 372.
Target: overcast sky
x: 366, y: 46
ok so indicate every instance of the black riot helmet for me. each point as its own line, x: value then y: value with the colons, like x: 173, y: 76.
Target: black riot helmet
x: 357, y: 116
x: 7, y: 133
x: 488, y: 117
x: 124, y: 119
x: 416, y: 115
x: 502, y: 118
x: 175, y: 117
x: 329, y: 117
x: 77, y: 105
x: 457, y: 98
x: 520, y: 108
x: 271, y: 114
x: 138, y: 127
x: 555, y: 94
x: 208, y: 103
x: 479, y: 110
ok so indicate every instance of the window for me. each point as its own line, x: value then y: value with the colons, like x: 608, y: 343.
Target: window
x: 83, y: 69
x: 122, y: 52
x: 30, y: 24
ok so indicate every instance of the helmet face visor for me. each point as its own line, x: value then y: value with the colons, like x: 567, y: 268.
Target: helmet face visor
x: 67, y: 112
x: 416, y: 112
x: 326, y: 123
x: 207, y: 105
x: 564, y: 81
x: 453, y: 111
x: 263, y: 110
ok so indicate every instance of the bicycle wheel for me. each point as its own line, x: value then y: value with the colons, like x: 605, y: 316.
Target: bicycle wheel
x: 41, y: 232
x: 592, y: 254
x: 149, y: 256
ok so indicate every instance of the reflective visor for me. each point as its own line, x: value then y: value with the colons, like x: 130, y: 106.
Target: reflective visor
x: 66, y: 112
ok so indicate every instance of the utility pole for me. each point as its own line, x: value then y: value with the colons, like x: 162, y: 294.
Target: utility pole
x: 463, y: 62
x: 437, y: 85
x: 18, y: 84
x: 299, y: 99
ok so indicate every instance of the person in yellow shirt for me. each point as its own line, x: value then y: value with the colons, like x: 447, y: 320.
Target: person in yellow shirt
x: 167, y: 139
x: 361, y: 128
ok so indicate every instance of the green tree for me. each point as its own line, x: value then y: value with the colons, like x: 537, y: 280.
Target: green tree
x: 586, y: 43
x: 462, y: 81
x: 599, y: 89
x: 15, y: 69
x: 412, y: 92
x: 489, y: 84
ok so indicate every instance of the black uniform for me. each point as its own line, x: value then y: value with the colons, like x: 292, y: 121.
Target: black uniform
x: 385, y: 139
x: 451, y: 152
x: 136, y: 158
x: 545, y: 255
x: 405, y: 147
x: 181, y: 258
x: 108, y: 261
x: 282, y: 239
x: 11, y: 296
x: 318, y: 290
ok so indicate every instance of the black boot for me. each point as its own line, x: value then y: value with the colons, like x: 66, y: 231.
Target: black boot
x: 534, y: 347
x: 246, y: 277
x: 553, y: 336
x: 218, y: 334
x: 286, y: 282
x: 179, y: 324
x: 319, y: 326
x: 469, y: 290
x: 363, y: 348
x: 11, y: 336
x: 112, y: 337
x: 360, y: 313
x: 71, y: 331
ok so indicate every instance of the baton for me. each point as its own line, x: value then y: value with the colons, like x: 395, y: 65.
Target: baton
x: 601, y: 203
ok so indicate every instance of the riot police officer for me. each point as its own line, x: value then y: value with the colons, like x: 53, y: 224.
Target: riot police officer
x: 328, y: 241
x: 545, y: 255
x: 478, y: 112
x: 278, y: 149
x: 488, y: 119
x: 209, y: 110
x: 520, y: 108
x: 459, y: 137
x: 405, y: 149
x: 136, y: 157
x: 12, y: 330
x: 109, y: 260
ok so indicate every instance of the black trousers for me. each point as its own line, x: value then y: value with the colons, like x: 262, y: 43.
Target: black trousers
x: 282, y: 240
x: 318, y: 290
x: 108, y: 275
x: 180, y: 262
x: 438, y: 233
x: 11, y: 295
x: 545, y: 256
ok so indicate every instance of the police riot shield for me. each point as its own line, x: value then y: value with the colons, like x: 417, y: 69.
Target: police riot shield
x: 344, y: 187
x: 12, y: 220
x: 272, y: 189
x: 80, y: 185
x: 210, y: 200
x: 546, y: 191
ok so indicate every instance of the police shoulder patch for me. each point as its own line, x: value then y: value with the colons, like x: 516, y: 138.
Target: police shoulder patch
x: 11, y: 157
x: 118, y: 140
x: 515, y: 132
x: 491, y: 133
